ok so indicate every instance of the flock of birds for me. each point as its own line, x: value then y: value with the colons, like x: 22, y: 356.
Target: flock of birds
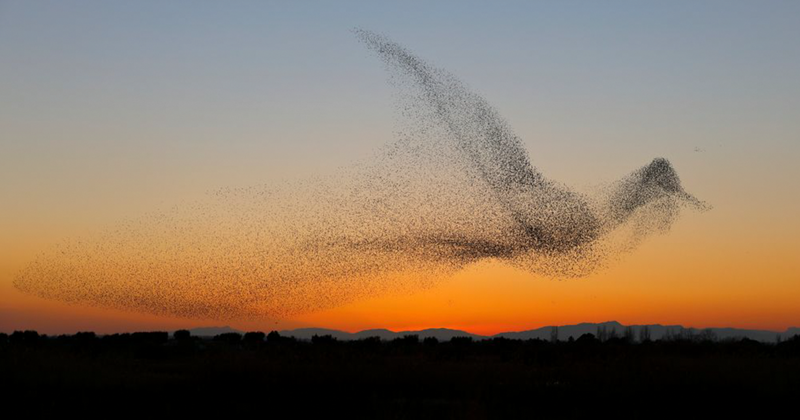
x: 456, y: 187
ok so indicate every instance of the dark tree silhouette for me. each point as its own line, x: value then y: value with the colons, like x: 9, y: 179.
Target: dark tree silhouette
x: 232, y: 338
x: 182, y: 335
x: 644, y: 334
x: 707, y: 335
x: 430, y: 341
x: 628, y: 335
x: 406, y: 340
x: 254, y: 336
x: 323, y: 339
x: 273, y: 337
x: 587, y: 339
x: 253, y: 339
x: 27, y: 337
x: 461, y: 341
x: 554, y: 334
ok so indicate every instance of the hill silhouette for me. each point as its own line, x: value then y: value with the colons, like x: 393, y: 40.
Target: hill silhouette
x: 655, y: 332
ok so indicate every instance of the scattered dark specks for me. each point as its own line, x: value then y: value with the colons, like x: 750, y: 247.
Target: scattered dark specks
x: 456, y: 187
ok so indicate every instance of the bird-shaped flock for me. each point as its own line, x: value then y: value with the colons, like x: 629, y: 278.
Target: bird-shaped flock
x: 456, y: 187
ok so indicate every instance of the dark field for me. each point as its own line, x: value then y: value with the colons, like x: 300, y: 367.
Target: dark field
x: 273, y: 376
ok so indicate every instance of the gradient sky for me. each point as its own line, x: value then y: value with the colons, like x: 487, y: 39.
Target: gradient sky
x: 112, y: 109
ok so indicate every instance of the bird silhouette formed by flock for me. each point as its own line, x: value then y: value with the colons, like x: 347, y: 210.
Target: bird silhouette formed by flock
x: 454, y: 188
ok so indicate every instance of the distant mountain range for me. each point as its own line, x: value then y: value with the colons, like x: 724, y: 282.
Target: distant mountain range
x: 611, y: 328
x: 212, y: 331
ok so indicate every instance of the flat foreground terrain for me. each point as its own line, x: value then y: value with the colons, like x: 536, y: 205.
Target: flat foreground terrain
x: 153, y: 373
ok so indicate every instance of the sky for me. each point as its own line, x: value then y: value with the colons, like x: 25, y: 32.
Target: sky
x: 112, y: 109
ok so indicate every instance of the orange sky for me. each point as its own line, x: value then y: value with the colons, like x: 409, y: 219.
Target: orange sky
x: 697, y: 275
